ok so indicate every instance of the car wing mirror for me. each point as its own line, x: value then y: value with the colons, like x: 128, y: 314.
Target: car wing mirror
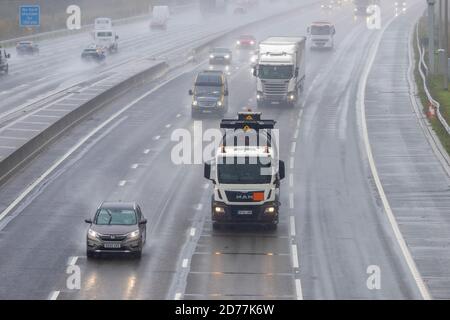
x: 191, y: 92
x: 226, y: 93
x: 88, y: 220
x: 143, y: 222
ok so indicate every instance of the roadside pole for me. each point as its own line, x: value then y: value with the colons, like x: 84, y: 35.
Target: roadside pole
x: 431, y: 38
x: 445, y: 44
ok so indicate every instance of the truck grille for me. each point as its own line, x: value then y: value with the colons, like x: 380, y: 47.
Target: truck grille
x: 237, y: 196
x: 275, y: 89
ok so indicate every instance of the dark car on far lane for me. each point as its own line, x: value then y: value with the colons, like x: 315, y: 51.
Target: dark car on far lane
x: 27, y: 48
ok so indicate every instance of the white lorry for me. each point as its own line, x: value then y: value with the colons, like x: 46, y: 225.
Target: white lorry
x: 104, y: 35
x: 246, y: 173
x: 160, y: 17
x: 280, y: 70
x: 321, y: 35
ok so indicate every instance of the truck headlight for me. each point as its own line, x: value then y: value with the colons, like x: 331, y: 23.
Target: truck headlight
x: 270, y: 210
x: 292, y: 97
x: 219, y: 210
x: 227, y: 56
x: 238, y: 42
x: 219, y: 103
x: 133, y: 235
x: 92, y: 234
x: 211, y: 56
x: 195, y: 103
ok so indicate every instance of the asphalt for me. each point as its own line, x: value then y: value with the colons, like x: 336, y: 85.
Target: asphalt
x: 332, y: 226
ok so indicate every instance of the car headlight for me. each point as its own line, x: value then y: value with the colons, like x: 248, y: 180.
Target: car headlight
x: 252, y: 42
x: 133, y: 235
x: 92, y: 233
x: 238, y: 42
x: 219, y: 103
x: 195, y: 103
x: 219, y: 210
x: 227, y: 56
x: 211, y: 56
x: 270, y: 210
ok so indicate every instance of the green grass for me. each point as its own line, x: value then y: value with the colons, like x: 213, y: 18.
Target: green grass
x: 434, y: 84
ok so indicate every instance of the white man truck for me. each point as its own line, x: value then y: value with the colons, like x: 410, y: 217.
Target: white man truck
x: 321, y: 35
x: 280, y: 70
x: 104, y: 35
x: 246, y: 173
x: 160, y: 17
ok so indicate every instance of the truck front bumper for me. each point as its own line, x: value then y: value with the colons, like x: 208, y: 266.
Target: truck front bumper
x: 245, y: 214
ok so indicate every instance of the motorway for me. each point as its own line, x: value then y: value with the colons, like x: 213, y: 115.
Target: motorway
x: 333, y: 224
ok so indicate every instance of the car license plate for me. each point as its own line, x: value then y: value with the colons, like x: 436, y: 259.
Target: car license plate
x: 112, y: 245
x: 245, y: 212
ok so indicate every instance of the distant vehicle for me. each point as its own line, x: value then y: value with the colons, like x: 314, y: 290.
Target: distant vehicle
x: 222, y: 56
x: 210, y: 93
x: 117, y: 227
x: 321, y: 35
x: 103, y: 24
x: 246, y: 42
x: 93, y: 53
x: 27, y: 48
x: 246, y: 174
x: 400, y: 7
x: 361, y: 6
x: 160, y: 17
x: 4, y: 66
x: 280, y: 70
x: 327, y: 7
x: 107, y: 39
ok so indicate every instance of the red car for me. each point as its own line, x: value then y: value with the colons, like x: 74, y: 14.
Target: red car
x: 246, y: 42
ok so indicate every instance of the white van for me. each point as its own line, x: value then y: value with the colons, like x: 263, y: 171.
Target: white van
x: 160, y: 17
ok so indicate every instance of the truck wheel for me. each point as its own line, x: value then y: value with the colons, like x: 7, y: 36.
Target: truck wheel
x: 272, y: 227
x: 260, y: 104
x: 194, y: 114
x: 216, y: 226
x: 90, y: 254
x: 7, y: 69
x: 137, y: 254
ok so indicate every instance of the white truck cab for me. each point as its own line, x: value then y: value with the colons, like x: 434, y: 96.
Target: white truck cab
x: 160, y: 17
x: 280, y: 70
x: 321, y: 35
x: 4, y: 66
x: 107, y: 39
x: 246, y: 173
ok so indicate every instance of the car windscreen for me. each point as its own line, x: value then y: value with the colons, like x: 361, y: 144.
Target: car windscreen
x: 320, y: 30
x: 125, y: 217
x: 212, y: 80
x: 208, y: 91
x: 239, y: 170
x: 275, y: 72
x: 220, y: 51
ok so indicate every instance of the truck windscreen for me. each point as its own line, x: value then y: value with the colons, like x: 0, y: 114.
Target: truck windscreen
x: 236, y: 171
x: 104, y: 34
x: 320, y: 30
x: 275, y: 72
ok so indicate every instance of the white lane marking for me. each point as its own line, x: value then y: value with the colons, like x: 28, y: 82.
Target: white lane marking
x: 298, y: 289
x: 185, y: 263
x: 43, y: 116
x: 293, y: 147
x: 36, y: 122
x: 291, y: 180
x: 157, y: 138
x: 291, y: 200
x: 292, y: 225
x: 8, y: 147
x: 146, y: 151
x: 72, y: 261
x: 199, y: 207
x: 13, y: 138
x: 299, y: 120
x: 25, y: 130
x: 134, y: 166
x: 295, y: 263
x: 291, y: 161
x: 296, y: 134
x: 178, y: 296
x: 54, y: 295
x: 300, y: 113
x: 192, y: 233
x: 387, y: 208
x: 168, y: 126
x: 122, y: 183
x: 178, y: 115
